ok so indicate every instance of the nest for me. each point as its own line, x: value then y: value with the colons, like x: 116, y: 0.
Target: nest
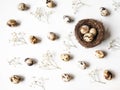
x: 92, y: 24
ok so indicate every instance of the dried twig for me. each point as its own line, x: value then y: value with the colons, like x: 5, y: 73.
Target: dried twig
x: 42, y: 14
x: 114, y: 44
x: 38, y: 82
x: 68, y: 41
x: 15, y: 61
x: 17, y: 38
x: 116, y: 5
x: 77, y: 4
x: 48, y: 62
x: 94, y: 75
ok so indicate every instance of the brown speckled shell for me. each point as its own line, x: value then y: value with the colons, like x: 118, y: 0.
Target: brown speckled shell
x: 94, y: 24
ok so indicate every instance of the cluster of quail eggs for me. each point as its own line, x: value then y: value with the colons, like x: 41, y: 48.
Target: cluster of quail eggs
x: 88, y: 33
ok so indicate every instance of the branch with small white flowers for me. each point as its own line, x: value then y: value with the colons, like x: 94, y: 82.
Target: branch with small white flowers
x: 48, y: 62
x: 42, y: 14
x: 114, y: 44
x: 17, y: 38
x: 94, y: 75
x: 15, y: 61
x: 116, y: 5
x: 38, y: 82
x: 77, y: 4
x: 68, y: 41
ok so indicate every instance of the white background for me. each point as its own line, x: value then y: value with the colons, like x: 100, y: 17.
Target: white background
x: 32, y: 26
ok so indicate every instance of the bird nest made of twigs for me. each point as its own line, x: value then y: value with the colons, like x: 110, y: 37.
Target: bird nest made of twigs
x: 91, y: 23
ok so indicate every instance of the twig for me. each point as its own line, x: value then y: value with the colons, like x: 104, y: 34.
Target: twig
x: 116, y: 5
x: 38, y: 82
x: 77, y: 4
x: 95, y: 76
x: 15, y: 61
x: 68, y: 42
x: 48, y: 62
x: 42, y: 14
x: 114, y: 44
x: 17, y: 38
